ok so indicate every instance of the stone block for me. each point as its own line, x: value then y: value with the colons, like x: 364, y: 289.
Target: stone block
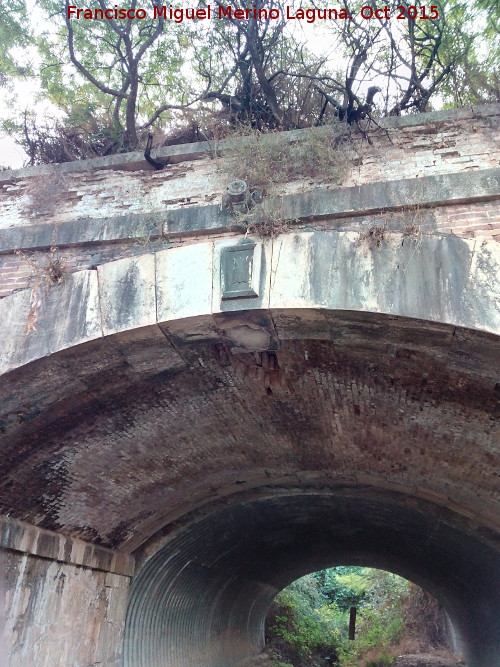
x: 421, y: 278
x: 297, y: 323
x: 147, y: 351
x: 14, y: 312
x: 321, y: 270
x: 254, y: 276
x: 40, y: 321
x: 198, y: 328
x: 249, y: 331
x: 184, y: 281
x: 127, y: 293
x: 481, y: 296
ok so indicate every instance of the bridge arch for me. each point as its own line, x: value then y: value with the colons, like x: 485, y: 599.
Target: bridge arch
x: 170, y: 416
x: 202, y: 597
x: 216, y: 468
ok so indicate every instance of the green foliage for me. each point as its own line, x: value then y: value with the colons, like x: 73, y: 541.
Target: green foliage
x: 471, y: 43
x: 344, y: 586
x: 300, y: 629
x: 121, y: 70
x: 310, y: 617
x: 14, y: 37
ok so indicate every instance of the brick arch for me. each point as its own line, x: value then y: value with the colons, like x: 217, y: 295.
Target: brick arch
x: 133, y: 442
x: 150, y: 426
x: 202, y: 598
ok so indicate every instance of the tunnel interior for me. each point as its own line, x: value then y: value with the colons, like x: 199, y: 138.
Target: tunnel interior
x: 202, y: 598
x: 358, y: 439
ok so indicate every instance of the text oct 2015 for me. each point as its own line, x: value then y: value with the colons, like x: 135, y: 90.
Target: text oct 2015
x: 179, y: 15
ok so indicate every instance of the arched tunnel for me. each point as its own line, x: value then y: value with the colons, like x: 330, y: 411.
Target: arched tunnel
x: 202, y: 598
x: 359, y: 439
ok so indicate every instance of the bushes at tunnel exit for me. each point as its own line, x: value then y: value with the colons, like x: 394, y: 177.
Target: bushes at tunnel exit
x: 307, y: 625
x: 301, y: 629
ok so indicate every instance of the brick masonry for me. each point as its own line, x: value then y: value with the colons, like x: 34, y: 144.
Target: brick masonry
x: 348, y: 413
x: 432, y: 147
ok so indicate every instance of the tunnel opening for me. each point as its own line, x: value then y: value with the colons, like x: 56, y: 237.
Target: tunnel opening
x: 202, y: 592
x: 351, y: 615
x: 375, y: 448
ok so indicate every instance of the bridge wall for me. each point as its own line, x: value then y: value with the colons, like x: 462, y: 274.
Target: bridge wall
x: 105, y: 209
x: 143, y: 407
x: 64, y: 600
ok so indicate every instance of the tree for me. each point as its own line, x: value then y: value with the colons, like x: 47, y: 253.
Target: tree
x: 408, y: 60
x: 123, y: 75
x: 138, y: 70
x: 344, y: 586
x: 14, y: 33
x: 129, y: 76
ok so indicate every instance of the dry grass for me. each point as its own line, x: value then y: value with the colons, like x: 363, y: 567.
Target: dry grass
x: 44, y: 275
x: 425, y: 619
x: 268, y: 227
x: 373, y: 237
x: 268, y: 159
x: 265, y: 221
x: 408, y: 222
x: 412, y: 232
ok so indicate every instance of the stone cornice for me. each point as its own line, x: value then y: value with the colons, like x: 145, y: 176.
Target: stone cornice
x: 29, y: 539
x: 339, y: 203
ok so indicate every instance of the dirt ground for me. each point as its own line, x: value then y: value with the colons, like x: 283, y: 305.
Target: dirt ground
x: 437, y: 659
x: 427, y: 660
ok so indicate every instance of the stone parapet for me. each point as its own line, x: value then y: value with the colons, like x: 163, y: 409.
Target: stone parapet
x: 25, y: 538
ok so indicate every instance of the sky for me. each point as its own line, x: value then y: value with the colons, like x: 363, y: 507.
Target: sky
x: 11, y: 155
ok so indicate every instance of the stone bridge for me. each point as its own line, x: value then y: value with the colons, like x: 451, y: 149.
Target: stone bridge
x: 192, y: 417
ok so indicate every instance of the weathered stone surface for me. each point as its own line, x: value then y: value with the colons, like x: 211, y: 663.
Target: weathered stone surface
x: 59, y: 614
x: 426, y: 279
x: 441, y: 279
x: 147, y: 351
x: 127, y: 294
x: 472, y: 186
x: 371, y: 197
x: 481, y: 295
x: 48, y: 318
x: 184, y: 282
x: 130, y: 227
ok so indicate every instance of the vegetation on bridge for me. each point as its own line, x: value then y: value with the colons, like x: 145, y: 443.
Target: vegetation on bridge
x: 111, y: 82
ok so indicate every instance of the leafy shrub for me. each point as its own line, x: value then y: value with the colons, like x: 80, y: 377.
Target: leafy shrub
x: 299, y: 630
